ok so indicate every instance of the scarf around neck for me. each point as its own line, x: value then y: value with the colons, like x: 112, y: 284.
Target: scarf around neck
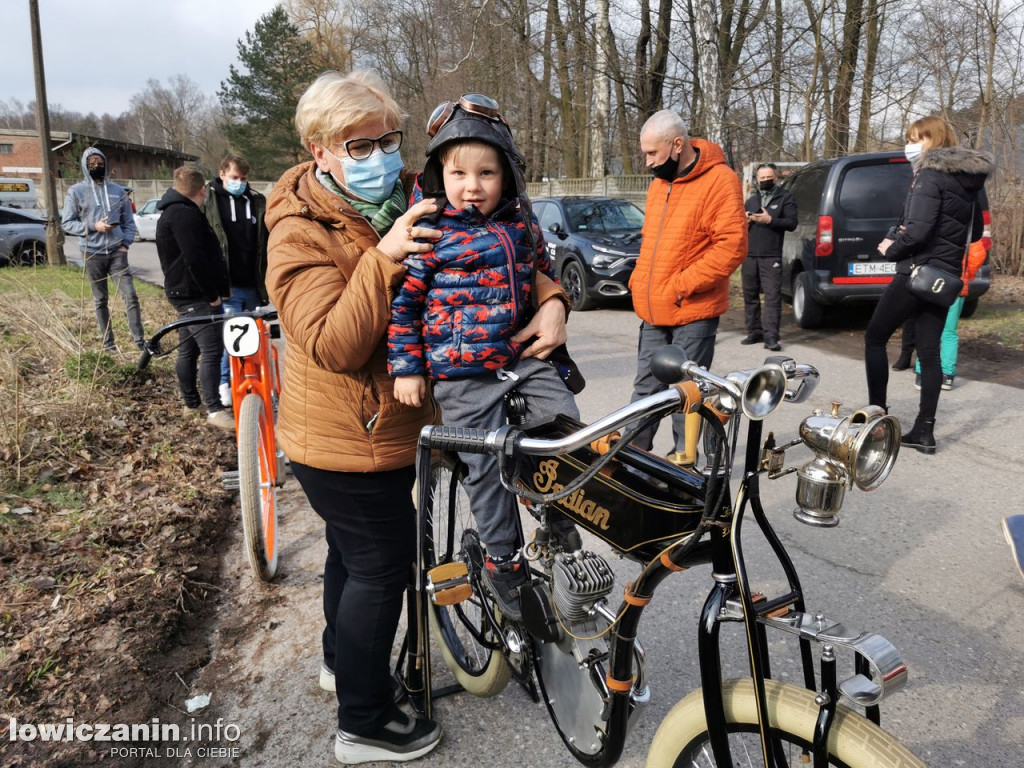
x: 381, y: 215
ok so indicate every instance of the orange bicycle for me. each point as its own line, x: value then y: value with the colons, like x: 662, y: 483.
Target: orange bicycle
x: 255, y: 389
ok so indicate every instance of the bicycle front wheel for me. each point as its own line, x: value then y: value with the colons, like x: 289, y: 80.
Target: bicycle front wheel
x: 854, y: 741
x: 257, y: 489
x: 467, y: 638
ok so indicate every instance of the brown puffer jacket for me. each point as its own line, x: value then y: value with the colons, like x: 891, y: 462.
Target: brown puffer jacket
x: 694, y: 237
x: 333, y: 290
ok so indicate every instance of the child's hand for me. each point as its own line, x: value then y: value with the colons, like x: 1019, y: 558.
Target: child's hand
x: 410, y: 390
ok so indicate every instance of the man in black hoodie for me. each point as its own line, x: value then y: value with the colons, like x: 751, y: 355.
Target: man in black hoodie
x: 235, y: 211
x: 195, y: 280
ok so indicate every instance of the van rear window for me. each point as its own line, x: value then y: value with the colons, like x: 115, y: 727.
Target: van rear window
x: 874, y: 191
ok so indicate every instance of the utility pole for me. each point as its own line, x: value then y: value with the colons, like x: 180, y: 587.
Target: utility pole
x: 54, y: 233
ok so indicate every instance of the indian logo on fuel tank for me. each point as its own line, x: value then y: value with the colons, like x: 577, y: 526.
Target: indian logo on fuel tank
x: 544, y: 481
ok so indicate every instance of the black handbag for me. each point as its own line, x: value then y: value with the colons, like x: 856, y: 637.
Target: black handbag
x: 934, y: 285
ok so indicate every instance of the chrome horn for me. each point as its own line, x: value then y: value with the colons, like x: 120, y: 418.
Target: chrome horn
x: 756, y: 392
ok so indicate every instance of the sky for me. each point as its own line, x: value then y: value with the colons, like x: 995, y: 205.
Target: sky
x: 98, y: 55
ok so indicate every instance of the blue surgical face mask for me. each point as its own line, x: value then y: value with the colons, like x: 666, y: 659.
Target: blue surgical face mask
x: 372, y: 179
x: 913, y: 151
x: 235, y: 186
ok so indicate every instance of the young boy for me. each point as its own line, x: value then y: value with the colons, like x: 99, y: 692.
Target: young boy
x: 459, y: 307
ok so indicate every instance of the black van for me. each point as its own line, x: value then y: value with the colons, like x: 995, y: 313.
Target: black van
x: 845, y: 206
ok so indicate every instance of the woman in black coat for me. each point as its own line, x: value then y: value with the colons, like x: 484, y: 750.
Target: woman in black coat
x: 940, y: 215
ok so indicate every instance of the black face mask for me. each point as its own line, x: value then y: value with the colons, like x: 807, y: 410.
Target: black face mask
x: 766, y: 186
x: 98, y: 172
x: 667, y: 170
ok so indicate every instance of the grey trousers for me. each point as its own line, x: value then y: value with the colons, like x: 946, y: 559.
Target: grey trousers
x: 100, y: 266
x: 477, y: 403
x: 696, y: 339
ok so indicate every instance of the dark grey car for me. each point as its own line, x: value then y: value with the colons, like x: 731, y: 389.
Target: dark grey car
x: 22, y: 237
x: 845, y: 207
x: 593, y: 242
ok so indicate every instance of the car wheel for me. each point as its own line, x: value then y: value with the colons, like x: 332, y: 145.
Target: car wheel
x: 969, y: 308
x: 807, y: 312
x: 574, y: 281
x: 30, y: 254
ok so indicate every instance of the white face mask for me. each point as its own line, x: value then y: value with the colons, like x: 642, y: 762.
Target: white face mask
x: 913, y: 151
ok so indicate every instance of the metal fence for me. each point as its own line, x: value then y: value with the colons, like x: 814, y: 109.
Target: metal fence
x: 632, y: 188
x: 142, y: 189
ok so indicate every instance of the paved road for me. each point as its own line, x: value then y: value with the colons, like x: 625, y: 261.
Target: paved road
x: 920, y: 560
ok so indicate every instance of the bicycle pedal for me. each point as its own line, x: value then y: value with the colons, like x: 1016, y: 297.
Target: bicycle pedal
x: 449, y: 584
x: 230, y: 480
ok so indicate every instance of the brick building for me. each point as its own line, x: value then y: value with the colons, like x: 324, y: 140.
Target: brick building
x: 19, y: 157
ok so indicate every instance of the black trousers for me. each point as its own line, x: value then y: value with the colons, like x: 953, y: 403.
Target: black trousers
x: 896, y: 306
x: 201, y: 349
x: 371, y: 545
x: 762, y: 275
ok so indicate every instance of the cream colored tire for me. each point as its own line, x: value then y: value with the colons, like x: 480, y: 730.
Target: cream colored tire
x: 854, y: 741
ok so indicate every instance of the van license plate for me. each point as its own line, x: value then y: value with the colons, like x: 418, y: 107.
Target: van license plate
x: 873, y: 268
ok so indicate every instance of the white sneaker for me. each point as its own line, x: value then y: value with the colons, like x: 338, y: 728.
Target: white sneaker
x: 221, y: 420
x: 225, y: 395
x: 326, y: 679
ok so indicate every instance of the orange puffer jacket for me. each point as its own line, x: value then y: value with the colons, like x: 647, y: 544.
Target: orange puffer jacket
x: 694, y: 237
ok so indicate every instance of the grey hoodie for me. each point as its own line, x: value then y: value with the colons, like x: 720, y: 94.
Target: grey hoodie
x: 89, y: 201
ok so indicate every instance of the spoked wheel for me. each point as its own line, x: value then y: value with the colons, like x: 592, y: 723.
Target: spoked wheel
x: 469, y: 644
x: 854, y: 741
x: 30, y: 254
x: 255, y: 483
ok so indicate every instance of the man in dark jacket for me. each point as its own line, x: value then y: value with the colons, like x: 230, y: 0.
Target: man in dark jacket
x: 235, y: 211
x: 771, y: 213
x: 195, y: 280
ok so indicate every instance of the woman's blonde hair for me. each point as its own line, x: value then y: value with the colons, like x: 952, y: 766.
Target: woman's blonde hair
x: 935, y: 129
x: 334, y: 103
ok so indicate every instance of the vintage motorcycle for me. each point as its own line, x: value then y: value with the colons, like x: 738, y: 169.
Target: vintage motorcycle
x: 579, y: 653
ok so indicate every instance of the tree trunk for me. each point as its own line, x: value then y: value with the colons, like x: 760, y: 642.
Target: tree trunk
x: 837, y: 137
x: 602, y: 93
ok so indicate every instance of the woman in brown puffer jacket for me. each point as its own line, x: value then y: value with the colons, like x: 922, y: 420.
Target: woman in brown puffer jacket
x: 339, y: 231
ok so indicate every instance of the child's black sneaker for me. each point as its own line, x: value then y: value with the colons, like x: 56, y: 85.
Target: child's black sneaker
x: 400, y: 739
x: 504, y: 577
x: 565, y: 533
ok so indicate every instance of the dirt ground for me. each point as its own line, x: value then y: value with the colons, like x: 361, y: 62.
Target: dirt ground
x: 122, y: 613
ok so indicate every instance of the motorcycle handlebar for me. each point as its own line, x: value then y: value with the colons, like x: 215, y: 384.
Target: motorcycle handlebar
x: 459, y: 439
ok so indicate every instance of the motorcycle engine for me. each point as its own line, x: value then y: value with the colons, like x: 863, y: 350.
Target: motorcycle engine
x: 579, y: 580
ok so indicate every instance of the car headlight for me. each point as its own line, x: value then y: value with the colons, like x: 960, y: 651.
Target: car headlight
x: 859, y: 449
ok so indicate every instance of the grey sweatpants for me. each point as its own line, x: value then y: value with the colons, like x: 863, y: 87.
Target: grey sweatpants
x: 477, y: 403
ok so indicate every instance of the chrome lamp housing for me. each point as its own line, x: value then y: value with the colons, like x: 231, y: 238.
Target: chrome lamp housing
x: 859, y: 449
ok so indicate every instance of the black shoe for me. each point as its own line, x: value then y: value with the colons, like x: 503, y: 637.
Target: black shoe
x: 565, y: 533
x: 921, y: 437
x: 504, y: 578
x: 400, y: 739
x: 773, y: 345
x: 753, y: 337
x: 903, y: 362
x: 947, y: 382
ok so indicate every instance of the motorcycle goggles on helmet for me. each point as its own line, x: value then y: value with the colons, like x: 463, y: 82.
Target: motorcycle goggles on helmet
x: 362, y: 148
x: 472, y: 103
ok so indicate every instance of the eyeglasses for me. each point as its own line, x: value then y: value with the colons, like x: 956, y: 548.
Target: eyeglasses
x: 362, y: 148
x: 473, y: 103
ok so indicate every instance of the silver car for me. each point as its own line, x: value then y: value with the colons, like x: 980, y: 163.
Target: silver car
x: 22, y: 237
x: 146, y: 218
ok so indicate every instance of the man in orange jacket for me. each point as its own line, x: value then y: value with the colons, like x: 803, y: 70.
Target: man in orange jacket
x: 694, y: 237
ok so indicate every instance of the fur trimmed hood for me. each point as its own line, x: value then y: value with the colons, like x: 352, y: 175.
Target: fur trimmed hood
x: 957, y: 160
